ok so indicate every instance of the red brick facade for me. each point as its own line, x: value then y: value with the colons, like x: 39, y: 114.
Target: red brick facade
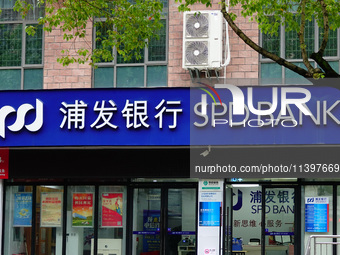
x: 244, y: 61
x: 57, y: 76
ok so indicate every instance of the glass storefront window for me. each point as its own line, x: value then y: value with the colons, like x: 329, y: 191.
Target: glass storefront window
x: 49, y: 204
x: 112, y: 220
x: 247, y: 209
x: 181, y: 222
x: 280, y: 224
x: 317, y: 216
x: 80, y: 220
x: 146, y: 222
x: 18, y: 220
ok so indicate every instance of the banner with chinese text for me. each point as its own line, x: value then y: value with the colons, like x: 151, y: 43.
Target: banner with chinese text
x: 151, y: 225
x: 4, y: 163
x: 22, y: 213
x: 112, y: 209
x: 317, y: 214
x: 51, y: 209
x: 82, y: 210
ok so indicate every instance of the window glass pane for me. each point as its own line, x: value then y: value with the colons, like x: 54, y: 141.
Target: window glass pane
x: 120, y: 59
x: 80, y: 213
x: 157, y: 47
x: 7, y: 4
x: 181, y: 221
x: 165, y: 3
x: 10, y: 79
x: 271, y: 73
x: 7, y: 12
x: 18, y: 220
x: 36, y: 12
x: 271, y: 43
x: 332, y: 44
x: 33, y: 79
x: 49, y: 220
x: 132, y: 76
x: 112, y: 220
x: 246, y: 222
x: 103, y: 77
x: 34, y: 47
x: 146, y: 221
x: 157, y: 76
x: 102, y: 28
x: 294, y: 78
x: 280, y: 221
x: 293, y: 50
x: 10, y: 44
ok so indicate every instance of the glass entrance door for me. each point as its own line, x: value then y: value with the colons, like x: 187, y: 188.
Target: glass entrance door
x: 279, y: 220
x: 164, y: 221
x: 146, y: 221
x: 181, y: 222
x: 228, y: 212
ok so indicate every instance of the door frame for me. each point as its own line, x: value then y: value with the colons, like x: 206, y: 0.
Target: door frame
x: 297, y: 213
x: 164, y: 187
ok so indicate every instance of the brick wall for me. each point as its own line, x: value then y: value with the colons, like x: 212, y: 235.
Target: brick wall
x: 57, y: 76
x: 244, y: 60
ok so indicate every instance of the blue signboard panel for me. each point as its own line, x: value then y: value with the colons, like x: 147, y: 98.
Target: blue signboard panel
x: 220, y: 125
x: 94, y: 117
x: 170, y: 116
x: 317, y: 214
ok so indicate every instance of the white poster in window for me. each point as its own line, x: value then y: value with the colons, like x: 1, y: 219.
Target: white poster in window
x: 51, y: 209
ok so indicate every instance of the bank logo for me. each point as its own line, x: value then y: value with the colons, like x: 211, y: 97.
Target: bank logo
x: 21, y: 113
x: 240, y: 106
x: 310, y: 200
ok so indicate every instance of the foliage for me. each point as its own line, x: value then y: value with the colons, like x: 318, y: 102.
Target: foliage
x: 128, y: 25
x: 293, y: 15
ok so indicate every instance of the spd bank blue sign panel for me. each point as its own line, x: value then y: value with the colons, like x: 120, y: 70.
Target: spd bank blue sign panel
x: 317, y: 214
x: 170, y: 116
x: 265, y: 115
x: 94, y: 117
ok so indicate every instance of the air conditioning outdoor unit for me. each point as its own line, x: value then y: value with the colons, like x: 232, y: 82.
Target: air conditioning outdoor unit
x: 202, y: 40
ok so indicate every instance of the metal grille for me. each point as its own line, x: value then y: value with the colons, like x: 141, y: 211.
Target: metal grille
x: 10, y: 44
x: 315, y: 246
x: 34, y: 47
x: 292, y: 44
x: 157, y: 48
x: 332, y: 44
x: 272, y: 43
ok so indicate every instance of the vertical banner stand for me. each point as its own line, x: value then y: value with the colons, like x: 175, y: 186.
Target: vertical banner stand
x: 210, y: 208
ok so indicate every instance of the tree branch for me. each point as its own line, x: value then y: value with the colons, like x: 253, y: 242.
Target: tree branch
x: 329, y: 71
x: 301, y: 35
x: 325, y: 27
x: 261, y: 50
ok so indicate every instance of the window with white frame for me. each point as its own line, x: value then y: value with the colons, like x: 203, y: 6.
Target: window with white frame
x: 287, y: 45
x: 149, y: 71
x: 21, y: 55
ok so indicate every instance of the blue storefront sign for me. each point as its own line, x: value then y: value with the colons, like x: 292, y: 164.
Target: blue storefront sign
x: 316, y: 214
x: 265, y: 115
x: 170, y: 116
x: 94, y: 117
x: 22, y: 213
